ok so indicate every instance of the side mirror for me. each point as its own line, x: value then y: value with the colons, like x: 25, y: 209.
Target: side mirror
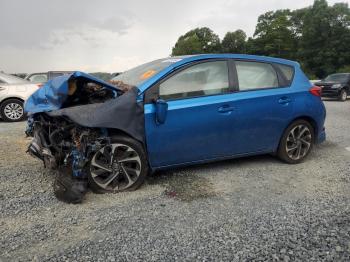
x: 161, y: 111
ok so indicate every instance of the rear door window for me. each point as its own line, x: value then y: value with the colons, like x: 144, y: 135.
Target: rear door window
x: 256, y: 75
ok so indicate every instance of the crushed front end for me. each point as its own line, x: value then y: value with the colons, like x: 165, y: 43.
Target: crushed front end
x: 65, y: 147
x: 70, y: 120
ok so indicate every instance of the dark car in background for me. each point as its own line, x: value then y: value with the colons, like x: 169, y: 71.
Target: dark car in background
x: 41, y: 78
x: 336, y: 85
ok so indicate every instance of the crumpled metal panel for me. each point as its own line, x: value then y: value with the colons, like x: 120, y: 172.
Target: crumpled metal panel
x: 122, y: 113
x: 53, y: 94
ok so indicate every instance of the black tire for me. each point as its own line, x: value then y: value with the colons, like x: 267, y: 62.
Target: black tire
x: 141, y: 164
x: 343, y: 95
x: 286, y: 147
x: 17, y: 105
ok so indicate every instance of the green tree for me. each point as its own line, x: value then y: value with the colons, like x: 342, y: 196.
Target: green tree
x: 344, y: 69
x: 234, y: 42
x: 324, y: 45
x: 197, y: 41
x: 102, y: 75
x: 274, y: 35
x: 317, y: 36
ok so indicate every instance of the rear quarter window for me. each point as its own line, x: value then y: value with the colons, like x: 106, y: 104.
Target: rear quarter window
x: 287, y: 71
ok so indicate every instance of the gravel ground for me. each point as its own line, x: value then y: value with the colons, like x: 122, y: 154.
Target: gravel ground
x: 254, y: 208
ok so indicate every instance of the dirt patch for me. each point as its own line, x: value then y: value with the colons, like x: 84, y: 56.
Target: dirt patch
x: 184, y: 186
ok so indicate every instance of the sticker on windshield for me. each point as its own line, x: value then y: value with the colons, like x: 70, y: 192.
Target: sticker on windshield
x: 147, y: 74
x: 173, y: 60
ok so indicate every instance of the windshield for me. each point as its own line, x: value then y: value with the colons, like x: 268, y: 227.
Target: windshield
x: 10, y: 79
x: 337, y: 78
x: 136, y: 76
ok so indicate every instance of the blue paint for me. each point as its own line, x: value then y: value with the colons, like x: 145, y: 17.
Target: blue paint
x: 202, y: 129
x: 78, y: 162
x: 195, y: 131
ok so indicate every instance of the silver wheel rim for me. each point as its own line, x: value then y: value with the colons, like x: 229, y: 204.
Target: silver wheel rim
x: 298, y: 142
x: 344, y: 95
x: 13, y: 111
x: 115, y: 167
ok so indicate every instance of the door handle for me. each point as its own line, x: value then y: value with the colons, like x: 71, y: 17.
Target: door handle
x: 284, y: 100
x: 225, y: 109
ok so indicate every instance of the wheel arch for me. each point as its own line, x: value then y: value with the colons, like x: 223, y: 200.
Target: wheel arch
x: 302, y: 117
x: 8, y: 98
x: 119, y: 132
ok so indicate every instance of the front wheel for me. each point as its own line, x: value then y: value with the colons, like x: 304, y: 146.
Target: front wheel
x: 120, y: 166
x: 343, y: 95
x: 12, y: 110
x: 296, y: 142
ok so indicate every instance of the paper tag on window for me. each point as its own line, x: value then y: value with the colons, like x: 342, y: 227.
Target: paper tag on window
x: 147, y: 74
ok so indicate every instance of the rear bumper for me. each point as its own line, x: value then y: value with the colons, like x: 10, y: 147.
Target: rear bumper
x: 330, y: 92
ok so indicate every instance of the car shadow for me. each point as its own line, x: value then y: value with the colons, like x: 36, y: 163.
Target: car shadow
x: 188, y: 183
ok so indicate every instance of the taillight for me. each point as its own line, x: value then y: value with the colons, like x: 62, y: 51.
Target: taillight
x: 316, y: 91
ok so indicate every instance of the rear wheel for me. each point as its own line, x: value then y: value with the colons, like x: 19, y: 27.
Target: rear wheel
x: 120, y: 166
x: 343, y: 95
x: 12, y: 110
x: 296, y: 142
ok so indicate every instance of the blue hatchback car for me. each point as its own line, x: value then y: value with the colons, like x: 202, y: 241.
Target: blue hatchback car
x: 178, y: 111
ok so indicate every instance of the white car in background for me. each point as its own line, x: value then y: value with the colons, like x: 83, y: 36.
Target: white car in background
x: 14, y: 91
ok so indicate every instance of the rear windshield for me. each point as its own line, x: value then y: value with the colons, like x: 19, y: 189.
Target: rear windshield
x: 10, y: 79
x: 337, y: 78
x: 136, y: 76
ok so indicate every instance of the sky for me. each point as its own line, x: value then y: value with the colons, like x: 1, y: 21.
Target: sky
x: 113, y: 35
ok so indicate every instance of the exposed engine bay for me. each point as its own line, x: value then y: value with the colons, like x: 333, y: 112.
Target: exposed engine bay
x: 67, y: 138
x: 65, y: 147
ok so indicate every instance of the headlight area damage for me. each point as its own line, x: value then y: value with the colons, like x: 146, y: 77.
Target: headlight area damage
x: 72, y: 119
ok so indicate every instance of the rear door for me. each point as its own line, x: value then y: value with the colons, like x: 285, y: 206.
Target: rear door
x: 263, y: 106
x: 199, y: 115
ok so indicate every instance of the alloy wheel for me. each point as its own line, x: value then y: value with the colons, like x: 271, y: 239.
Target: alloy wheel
x: 344, y: 95
x: 13, y: 111
x: 115, y: 167
x: 298, y: 142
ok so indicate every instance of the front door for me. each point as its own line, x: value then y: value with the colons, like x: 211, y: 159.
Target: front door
x: 198, y: 119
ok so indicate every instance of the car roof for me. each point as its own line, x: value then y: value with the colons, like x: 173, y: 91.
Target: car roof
x: 339, y: 74
x: 38, y: 73
x: 187, y: 58
x: 182, y: 60
x: 61, y: 71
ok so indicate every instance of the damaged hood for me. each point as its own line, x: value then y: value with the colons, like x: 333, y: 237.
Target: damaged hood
x: 53, y: 94
x: 122, y: 113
